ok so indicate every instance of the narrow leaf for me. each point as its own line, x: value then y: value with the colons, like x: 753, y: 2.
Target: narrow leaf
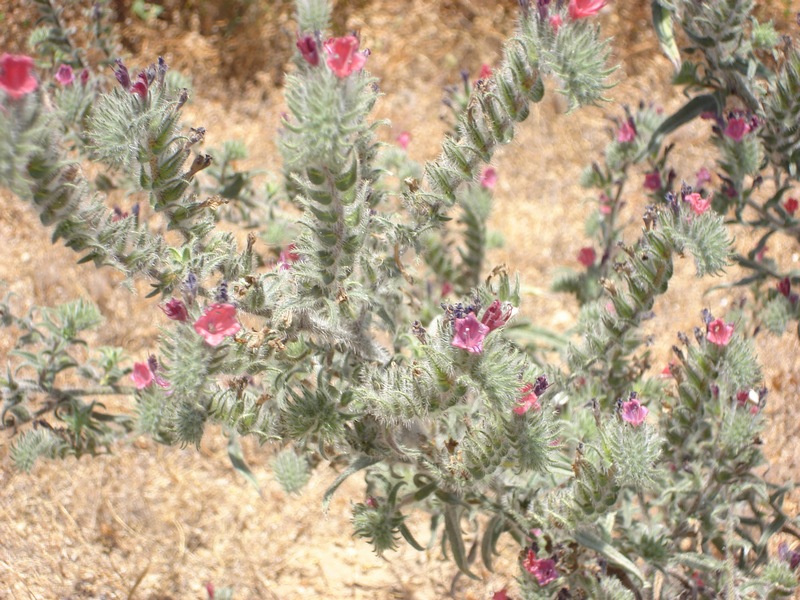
x: 362, y: 462
x: 591, y: 541
x: 452, y: 527
x: 691, y: 110
x: 238, y: 462
x: 662, y: 22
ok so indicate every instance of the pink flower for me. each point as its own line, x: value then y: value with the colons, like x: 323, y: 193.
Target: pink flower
x: 528, y: 401
x: 469, y: 334
x: 627, y: 132
x: 16, y: 78
x: 633, y: 412
x: 543, y: 570
x: 605, y: 204
x: 403, y: 140
x: 307, y: 46
x: 501, y: 595
x: 719, y: 332
x: 666, y: 372
x: 64, y: 75
x: 791, y: 205
x: 556, y: 22
x: 175, y: 309
x: 489, y: 178
x: 587, y: 256
x: 652, y: 181
x: 497, y: 314
x: 486, y: 71
x: 142, y: 376
x: 737, y: 129
x: 699, y: 204
x: 217, y: 322
x: 703, y: 177
x: 579, y: 9
x: 343, y: 55
x: 288, y: 257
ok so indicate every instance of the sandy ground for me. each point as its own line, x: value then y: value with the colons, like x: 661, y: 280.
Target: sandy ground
x: 157, y: 523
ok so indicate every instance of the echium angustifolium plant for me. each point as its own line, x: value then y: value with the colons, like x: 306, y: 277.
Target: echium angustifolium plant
x: 614, y: 484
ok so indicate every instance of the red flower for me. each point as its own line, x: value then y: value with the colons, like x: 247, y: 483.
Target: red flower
x: 627, y: 132
x: 719, y: 332
x: 307, y: 46
x: 142, y: 376
x: 343, y: 55
x: 528, y: 401
x: 791, y: 205
x: 579, y: 9
x: 698, y: 203
x: 469, y: 333
x: 217, y: 322
x: 497, y: 314
x: 489, y: 178
x: 737, y: 129
x: 501, y: 595
x: 486, y: 72
x: 16, y: 78
x: 141, y: 86
x: 785, y: 287
x: 64, y: 75
x: 175, y: 309
x: 652, y: 181
x: 587, y: 256
x: 555, y: 22
x: 288, y: 257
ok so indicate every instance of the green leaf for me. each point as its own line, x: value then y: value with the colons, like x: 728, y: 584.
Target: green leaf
x: 662, y: 22
x: 362, y: 462
x: 410, y: 538
x: 452, y: 528
x: 591, y: 541
x: 691, y: 110
x: 238, y: 462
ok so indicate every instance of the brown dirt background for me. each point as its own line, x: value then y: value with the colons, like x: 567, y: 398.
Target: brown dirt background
x: 150, y: 522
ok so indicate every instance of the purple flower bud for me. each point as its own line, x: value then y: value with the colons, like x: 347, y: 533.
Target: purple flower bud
x: 84, y: 77
x: 307, y: 46
x: 141, y: 86
x: 122, y: 75
x: 175, y: 309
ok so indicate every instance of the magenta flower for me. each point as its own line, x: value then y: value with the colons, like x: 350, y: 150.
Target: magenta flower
x: 719, y: 332
x: 16, y: 78
x: 580, y: 9
x: 497, y: 314
x: 785, y: 287
x: 528, y: 401
x: 489, y: 178
x: 633, y: 412
x: 703, y: 177
x: 737, y: 129
x: 543, y: 570
x: 175, y: 309
x: 791, y: 205
x: 64, y: 75
x: 486, y: 71
x: 627, y: 132
x: 142, y: 376
x: 84, y: 77
x: 556, y: 22
x: 140, y: 87
x: 652, y: 181
x: 217, y: 323
x: 500, y: 595
x: 288, y: 257
x: 343, y: 56
x: 307, y: 46
x: 587, y: 256
x: 469, y: 333
x: 698, y: 203
x: 403, y: 140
